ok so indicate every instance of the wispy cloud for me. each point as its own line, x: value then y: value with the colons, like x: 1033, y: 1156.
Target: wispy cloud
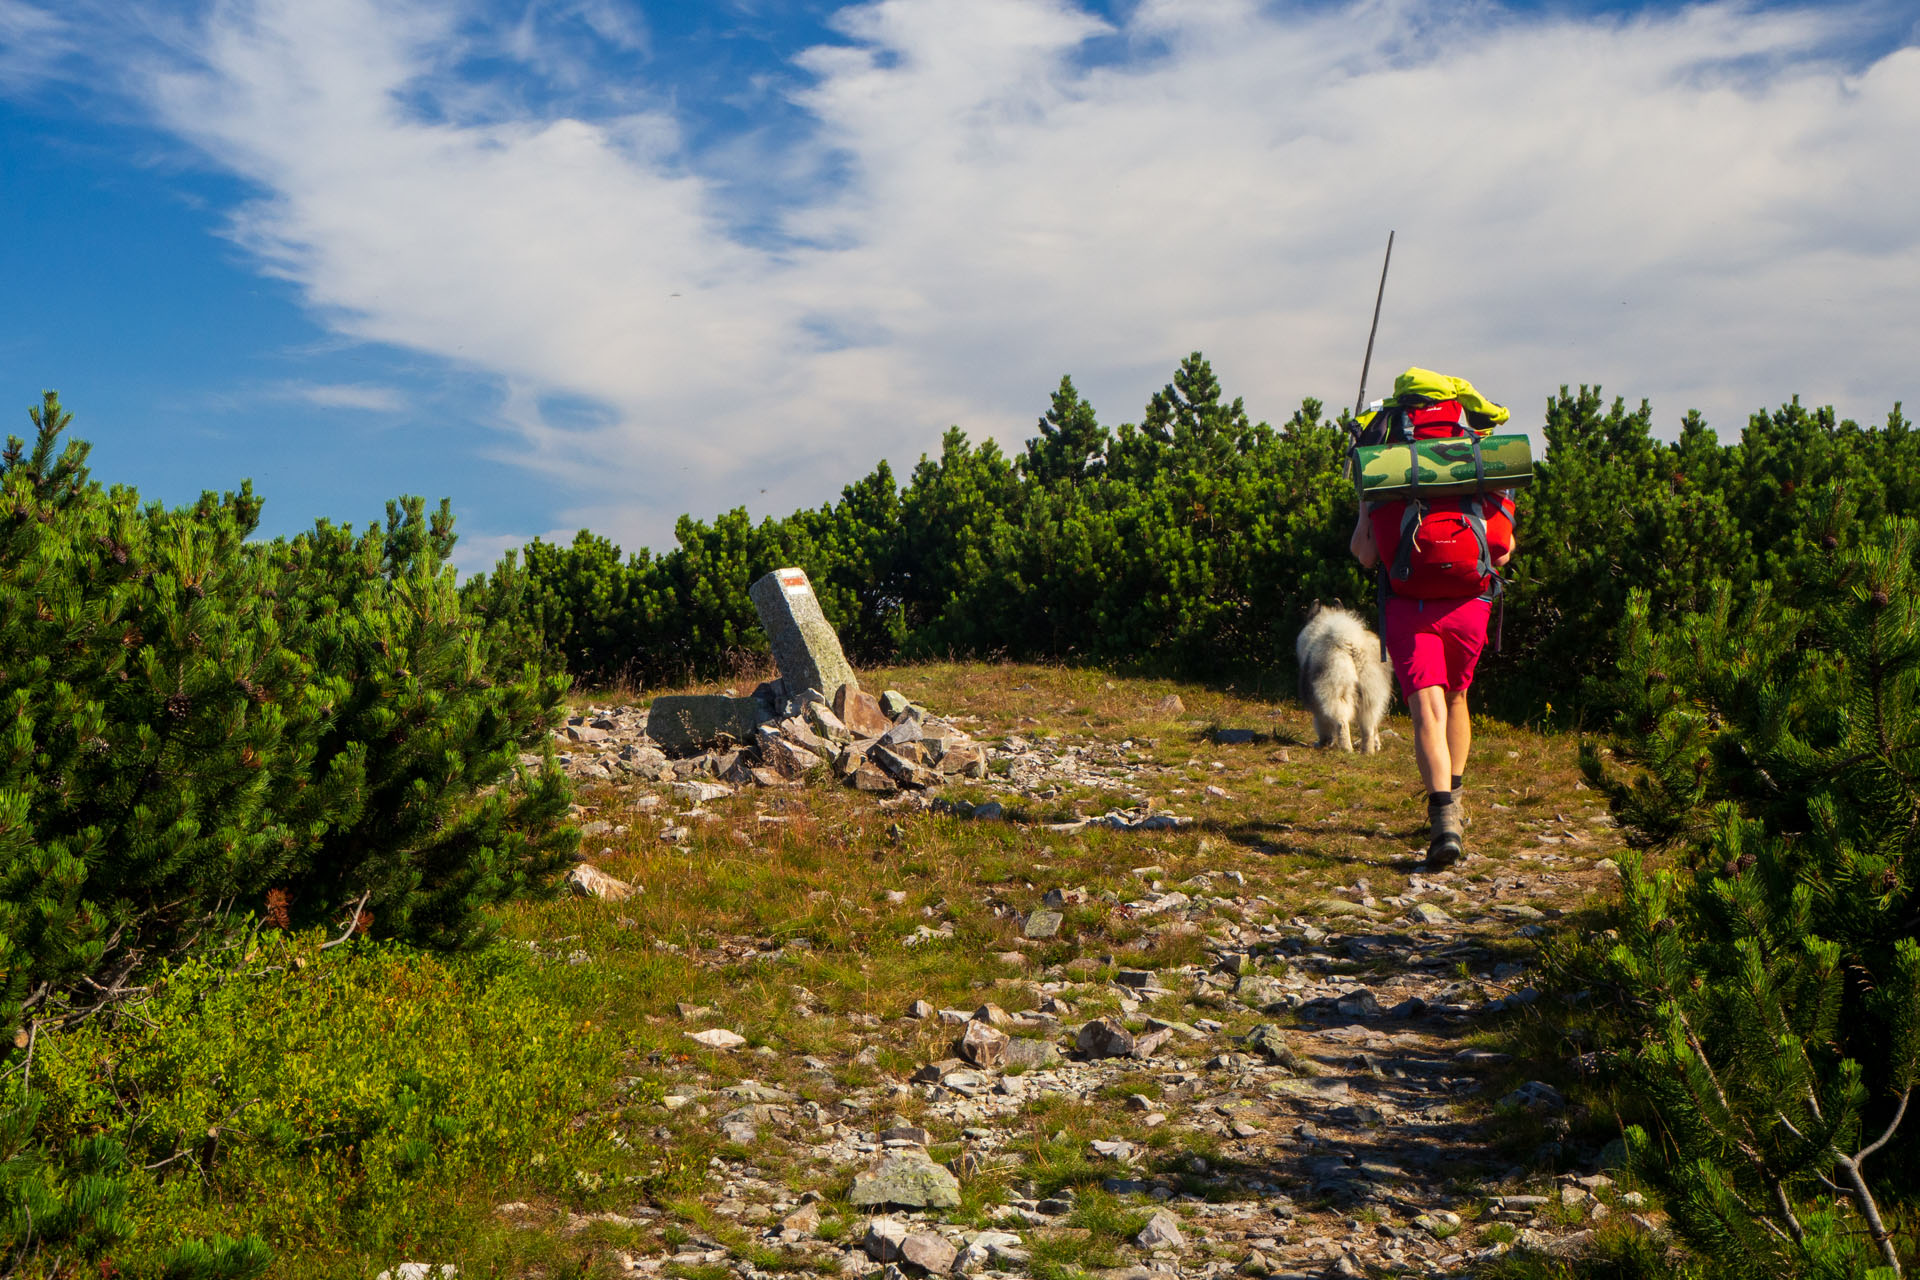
x: 33, y: 44
x: 1704, y: 206
x: 361, y: 396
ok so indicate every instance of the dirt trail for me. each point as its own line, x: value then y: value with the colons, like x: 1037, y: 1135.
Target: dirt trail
x: 1308, y: 1093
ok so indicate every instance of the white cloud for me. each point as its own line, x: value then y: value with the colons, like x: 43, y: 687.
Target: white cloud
x: 362, y: 396
x: 33, y: 44
x: 1701, y: 207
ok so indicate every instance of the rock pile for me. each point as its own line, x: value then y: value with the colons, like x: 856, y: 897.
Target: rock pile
x: 882, y: 745
x: 786, y: 728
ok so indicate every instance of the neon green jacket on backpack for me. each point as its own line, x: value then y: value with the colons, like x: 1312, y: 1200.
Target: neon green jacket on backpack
x: 1429, y: 385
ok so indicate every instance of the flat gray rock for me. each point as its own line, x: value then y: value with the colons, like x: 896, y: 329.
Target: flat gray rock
x: 683, y: 724
x: 909, y: 1179
x: 1042, y: 925
x: 1031, y: 1053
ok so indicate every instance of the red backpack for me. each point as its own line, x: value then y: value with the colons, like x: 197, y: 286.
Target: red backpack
x: 1438, y: 548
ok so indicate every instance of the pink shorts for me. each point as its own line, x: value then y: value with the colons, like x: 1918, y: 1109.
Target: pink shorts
x: 1435, y: 642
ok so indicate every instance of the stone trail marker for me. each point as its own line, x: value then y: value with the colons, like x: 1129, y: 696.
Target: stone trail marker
x: 805, y: 646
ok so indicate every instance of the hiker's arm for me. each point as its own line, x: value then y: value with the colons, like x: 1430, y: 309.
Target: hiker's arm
x: 1500, y: 561
x: 1362, y: 544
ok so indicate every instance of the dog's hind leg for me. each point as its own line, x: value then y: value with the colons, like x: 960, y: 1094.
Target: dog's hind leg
x: 1323, y: 728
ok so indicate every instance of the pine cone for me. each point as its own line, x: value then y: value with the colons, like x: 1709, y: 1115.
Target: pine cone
x: 178, y: 706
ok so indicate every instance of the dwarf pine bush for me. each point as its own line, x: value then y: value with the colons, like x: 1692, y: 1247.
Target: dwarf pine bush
x: 1190, y: 541
x: 193, y: 720
x: 195, y: 727
x: 1762, y: 999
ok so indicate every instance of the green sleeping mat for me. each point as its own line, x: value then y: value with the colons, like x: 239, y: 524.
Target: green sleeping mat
x: 1446, y: 466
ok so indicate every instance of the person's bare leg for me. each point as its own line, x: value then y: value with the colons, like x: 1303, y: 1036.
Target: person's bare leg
x: 1433, y: 725
x: 1432, y: 735
x: 1459, y: 733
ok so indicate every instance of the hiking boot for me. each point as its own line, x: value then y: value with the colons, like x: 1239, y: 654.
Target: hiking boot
x: 1446, y: 819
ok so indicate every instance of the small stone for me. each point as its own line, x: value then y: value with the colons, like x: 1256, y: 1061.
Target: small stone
x: 676, y: 835
x: 882, y: 1239
x: 1259, y: 990
x: 903, y: 732
x: 982, y: 1044
x: 1427, y: 913
x: 805, y: 1220
x: 871, y: 778
x: 1042, y: 925
x: 421, y: 1271
x: 1138, y: 979
x: 783, y: 755
x: 860, y: 712
x: 909, y: 1179
x: 717, y: 1038
x: 825, y: 723
x: 966, y: 760
x: 993, y: 1015
x: 589, y: 881
x: 1270, y: 1043
x: 894, y: 703
x: 908, y: 1133
x: 997, y: 1249
x: 929, y: 1252
x: 1161, y: 1232
x: 920, y: 1009
x: 1104, y: 1038
x: 1170, y: 706
x: 1031, y: 1053
x: 1535, y: 1095
x: 1359, y: 1004
x: 906, y: 772
x: 1148, y: 1043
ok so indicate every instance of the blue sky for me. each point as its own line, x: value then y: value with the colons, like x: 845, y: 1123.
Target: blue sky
x: 595, y: 262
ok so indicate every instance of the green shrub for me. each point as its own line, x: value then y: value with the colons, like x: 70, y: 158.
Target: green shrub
x: 194, y: 721
x: 1763, y: 1000
x: 1190, y: 542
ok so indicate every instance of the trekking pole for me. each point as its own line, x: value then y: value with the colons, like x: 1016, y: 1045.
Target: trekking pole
x: 1360, y: 402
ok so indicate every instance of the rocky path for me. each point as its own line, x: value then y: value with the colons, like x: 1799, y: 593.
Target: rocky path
x: 1310, y: 1091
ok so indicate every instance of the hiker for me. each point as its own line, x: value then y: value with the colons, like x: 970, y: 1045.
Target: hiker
x: 1437, y: 587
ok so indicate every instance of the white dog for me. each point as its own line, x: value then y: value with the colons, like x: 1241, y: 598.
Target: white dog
x: 1343, y: 680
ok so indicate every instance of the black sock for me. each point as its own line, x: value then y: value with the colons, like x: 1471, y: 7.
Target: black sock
x: 1439, y: 799
x: 1456, y: 781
